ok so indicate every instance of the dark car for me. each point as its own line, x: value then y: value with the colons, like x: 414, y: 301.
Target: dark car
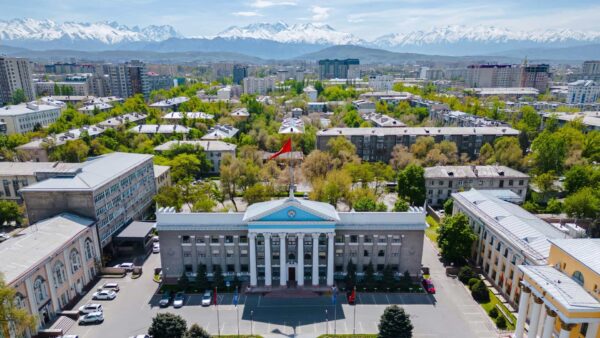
x: 428, y: 286
x: 165, y: 300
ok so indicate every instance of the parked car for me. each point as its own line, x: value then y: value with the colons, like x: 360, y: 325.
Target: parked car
x: 156, y: 248
x: 155, y: 239
x: 128, y: 266
x: 207, y: 298
x: 92, y: 318
x: 91, y: 307
x: 110, y: 286
x: 104, y: 295
x: 141, y: 336
x: 178, y: 300
x: 428, y: 286
x: 4, y: 236
x: 165, y: 300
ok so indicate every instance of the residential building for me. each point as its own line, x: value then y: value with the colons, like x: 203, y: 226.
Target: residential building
x: 240, y: 114
x: 562, y: 298
x: 381, y: 83
x: 591, y: 67
x: 220, y: 132
x: 164, y: 129
x: 45, y: 88
x: 377, y: 144
x: 270, y: 244
x: 124, y: 119
x: 112, y: 189
x: 170, y: 104
x: 258, y: 85
x: 505, y: 76
x: 162, y: 176
x: 158, y: 82
x: 461, y: 119
x: 240, y: 72
x: 364, y: 106
x: 177, y: 117
x: 311, y: 93
x: 583, y: 91
x: 26, y: 117
x: 443, y: 181
x: 507, y: 236
x: 91, y: 109
x: 214, y: 150
x: 590, y: 119
x: 387, y: 96
x: 224, y: 94
x: 338, y: 69
x: 99, y: 85
x: 535, y: 76
x: 128, y: 79
x: 16, y: 175
x: 15, y: 73
x: 382, y: 120
x: 69, y: 68
x: 49, y: 264
x: 513, y: 92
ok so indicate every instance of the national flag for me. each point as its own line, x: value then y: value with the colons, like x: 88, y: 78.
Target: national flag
x: 352, y: 297
x: 215, y: 297
x: 287, y: 148
x: 236, y: 297
x: 334, y: 296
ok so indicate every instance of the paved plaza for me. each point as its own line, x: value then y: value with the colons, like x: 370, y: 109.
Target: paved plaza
x: 451, y: 312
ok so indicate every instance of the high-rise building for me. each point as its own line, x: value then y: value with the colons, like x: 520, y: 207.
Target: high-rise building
x: 535, y: 76
x: 239, y: 73
x: 583, y: 91
x: 259, y: 85
x: 128, y: 79
x: 506, y: 76
x: 338, y: 69
x: 591, y: 67
x: 15, y: 73
x: 138, y: 75
x: 157, y: 81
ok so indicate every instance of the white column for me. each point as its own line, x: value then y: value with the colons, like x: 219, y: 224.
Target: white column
x: 52, y: 287
x: 300, y: 265
x: 515, y: 283
x: 267, y: 259
x: 534, y: 321
x: 522, y: 316
x: 33, y: 306
x: 330, y: 259
x: 84, y: 262
x: 592, y: 330
x: 252, y: 247
x: 565, y: 330
x: 315, y: 260
x: 68, y: 267
x: 506, y: 270
x: 549, y: 324
x: 498, y: 272
x: 541, y: 321
x: 282, y: 260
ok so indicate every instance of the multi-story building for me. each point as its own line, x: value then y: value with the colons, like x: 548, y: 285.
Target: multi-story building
x: 162, y: 176
x: 220, y: 132
x: 382, y: 120
x: 591, y: 67
x: 215, y: 150
x: 462, y: 119
x: 177, y: 117
x: 157, y: 81
x: 535, y: 76
x: 170, y: 104
x: 51, y: 88
x: 49, y: 264
x: 443, y: 181
x: 128, y: 79
x: 124, y: 119
x: 99, y: 85
x: 562, y: 298
x: 311, y: 93
x: 258, y: 85
x: 240, y: 72
x: 507, y: 236
x: 15, y: 73
x: 377, y: 144
x: 290, y: 242
x: 138, y: 78
x: 112, y: 189
x: 26, y: 117
x: 338, y: 69
x: 381, y: 83
x: 69, y: 68
x: 590, y: 119
x: 583, y: 91
x: 505, y: 76
x: 163, y: 129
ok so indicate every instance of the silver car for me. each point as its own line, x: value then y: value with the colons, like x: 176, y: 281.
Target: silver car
x: 105, y: 295
x: 92, y: 318
x: 89, y: 308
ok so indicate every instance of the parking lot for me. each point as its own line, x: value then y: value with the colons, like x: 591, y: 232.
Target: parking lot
x: 451, y: 312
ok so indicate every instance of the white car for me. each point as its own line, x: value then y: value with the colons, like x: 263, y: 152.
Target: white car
x: 110, y: 286
x: 127, y: 266
x: 105, y: 295
x: 155, y: 239
x: 178, y: 300
x: 207, y: 298
x: 92, y: 318
x: 89, y: 308
x: 156, y: 248
x: 4, y: 236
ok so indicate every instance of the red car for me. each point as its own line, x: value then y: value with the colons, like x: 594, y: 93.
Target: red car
x: 428, y: 286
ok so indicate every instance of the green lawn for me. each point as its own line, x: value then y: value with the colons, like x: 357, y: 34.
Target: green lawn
x: 348, y: 336
x: 492, y: 304
x: 431, y: 231
x: 240, y: 336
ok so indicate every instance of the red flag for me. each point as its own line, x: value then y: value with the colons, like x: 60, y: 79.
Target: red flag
x: 352, y: 297
x: 287, y: 148
x: 215, y: 297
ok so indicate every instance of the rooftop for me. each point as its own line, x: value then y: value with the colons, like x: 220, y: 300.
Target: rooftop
x: 160, y: 129
x: 189, y: 115
x: 25, y: 108
x: 220, y: 131
x: 585, y: 250
x: 590, y: 118
x: 207, y: 145
x: 137, y: 229
x: 92, y: 107
x: 30, y: 168
x: 38, y: 242
x: 465, y: 171
x: 420, y: 131
x: 119, y: 120
x: 504, y: 91
x: 170, y: 102
x: 160, y: 169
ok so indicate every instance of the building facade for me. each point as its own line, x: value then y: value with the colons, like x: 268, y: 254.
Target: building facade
x: 112, y: 189
x: 583, y: 91
x: 62, y: 88
x: 25, y: 117
x: 258, y: 85
x: 443, y: 181
x: 50, y: 263
x: 15, y: 73
x: 290, y: 242
x: 128, y: 79
x: 240, y: 72
x: 338, y: 69
x: 377, y: 144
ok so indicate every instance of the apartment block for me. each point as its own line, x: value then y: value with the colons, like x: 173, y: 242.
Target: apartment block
x: 259, y: 85
x: 15, y: 73
x: 26, y: 117
x: 583, y: 91
x: 338, y: 69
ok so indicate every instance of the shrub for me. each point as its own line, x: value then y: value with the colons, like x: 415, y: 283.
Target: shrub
x: 472, y: 281
x: 465, y: 274
x: 493, y: 312
x: 480, y: 292
x: 501, y: 322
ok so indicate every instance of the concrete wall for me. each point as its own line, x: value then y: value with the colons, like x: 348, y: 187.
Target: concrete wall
x: 44, y: 204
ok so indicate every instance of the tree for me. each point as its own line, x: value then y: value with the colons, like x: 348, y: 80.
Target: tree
x: 549, y: 151
x: 388, y: 280
x: 580, y: 176
x: 18, y: 96
x: 395, y: 323
x: 201, y: 281
x: 316, y: 165
x: 480, y: 292
x: 169, y: 196
x: 401, y: 157
x: 545, y: 183
x: 336, y: 187
x: 411, y: 184
x: 508, y: 152
x: 465, y: 274
x: 583, y: 204
x: 10, y: 212
x: 184, y: 166
x: 486, y: 154
x: 554, y: 206
x: 401, y: 205
x: 167, y: 325
x: 73, y: 151
x: 422, y: 146
x: 13, y: 317
x: 218, y: 279
x: 195, y: 331
x: 455, y: 238
x: 342, y: 151
x: 184, y: 282
x: 257, y: 193
x: 449, y: 206
x: 350, y: 278
x: 369, y: 276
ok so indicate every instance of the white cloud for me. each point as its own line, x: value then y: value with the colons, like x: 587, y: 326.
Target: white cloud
x: 320, y: 13
x: 271, y: 3
x: 247, y: 14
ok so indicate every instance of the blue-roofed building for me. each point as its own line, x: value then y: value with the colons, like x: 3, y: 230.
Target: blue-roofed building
x: 261, y: 245
x: 112, y: 189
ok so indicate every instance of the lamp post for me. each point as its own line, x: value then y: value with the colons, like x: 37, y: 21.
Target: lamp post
x: 326, y: 323
x: 251, y: 322
x: 354, y: 324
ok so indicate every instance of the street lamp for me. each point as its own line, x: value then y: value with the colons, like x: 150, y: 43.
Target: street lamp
x: 326, y: 323
x: 251, y: 322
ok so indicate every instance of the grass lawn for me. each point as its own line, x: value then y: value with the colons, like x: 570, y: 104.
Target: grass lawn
x: 492, y: 304
x: 431, y: 231
x: 240, y: 336
x: 348, y: 336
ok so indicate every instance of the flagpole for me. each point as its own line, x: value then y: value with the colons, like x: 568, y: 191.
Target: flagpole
x: 335, y: 312
x: 291, y: 168
x: 354, y: 324
x: 237, y: 310
x: 217, y: 306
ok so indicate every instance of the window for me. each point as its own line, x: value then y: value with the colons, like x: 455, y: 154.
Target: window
x: 199, y: 240
x: 75, y: 261
x: 19, y: 300
x: 353, y: 239
x: 366, y: 253
x: 368, y: 239
x: 578, y: 277
x: 214, y: 239
x: 228, y: 239
x: 381, y: 253
x: 229, y: 253
x: 39, y: 288
x: 339, y: 239
x: 59, y: 273
x: 89, y: 249
x: 185, y: 239
x: 583, y: 329
x: 243, y: 239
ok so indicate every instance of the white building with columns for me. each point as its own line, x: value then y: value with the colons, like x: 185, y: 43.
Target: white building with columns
x: 289, y: 242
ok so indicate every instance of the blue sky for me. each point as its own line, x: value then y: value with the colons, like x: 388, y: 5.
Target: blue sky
x: 366, y: 19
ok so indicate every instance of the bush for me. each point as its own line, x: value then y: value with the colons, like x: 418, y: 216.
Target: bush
x: 501, y: 322
x: 493, y: 312
x: 465, y: 274
x: 480, y: 292
x: 472, y: 281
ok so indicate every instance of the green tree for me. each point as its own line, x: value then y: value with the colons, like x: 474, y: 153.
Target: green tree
x: 401, y: 205
x: 183, y: 282
x: 549, y: 151
x: 10, y: 212
x: 508, y: 152
x: 319, y: 87
x: 449, y: 206
x: 480, y: 292
x: 257, y: 193
x: 388, y: 280
x: 201, y: 282
x: 73, y: 151
x: 411, y: 184
x: 395, y: 323
x: 342, y: 151
x: 184, y: 166
x: 218, y: 279
x: 316, y: 165
x: 465, y: 274
x: 169, y: 196
x: 350, y: 278
x: 195, y: 331
x: 583, y: 204
x: 580, y: 176
x: 18, y: 96
x: 455, y: 238
x: 167, y: 325
x: 13, y: 318
x: 369, y: 276
x: 554, y: 206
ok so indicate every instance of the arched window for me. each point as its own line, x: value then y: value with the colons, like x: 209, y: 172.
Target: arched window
x: 578, y: 277
x: 89, y: 249
x: 39, y: 288
x: 20, y: 300
x: 75, y: 261
x: 59, y: 273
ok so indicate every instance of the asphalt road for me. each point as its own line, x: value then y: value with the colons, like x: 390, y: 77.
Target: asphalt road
x: 451, y: 312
